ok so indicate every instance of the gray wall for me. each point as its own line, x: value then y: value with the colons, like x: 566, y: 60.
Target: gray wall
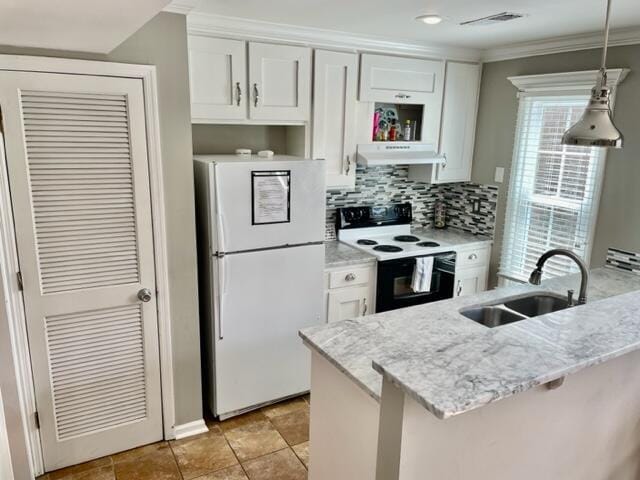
x: 163, y: 42
x: 618, y: 220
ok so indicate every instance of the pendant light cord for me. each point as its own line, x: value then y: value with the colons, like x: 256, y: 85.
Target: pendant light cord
x: 606, y: 36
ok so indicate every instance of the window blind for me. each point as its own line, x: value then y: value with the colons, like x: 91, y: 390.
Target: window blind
x: 554, y: 189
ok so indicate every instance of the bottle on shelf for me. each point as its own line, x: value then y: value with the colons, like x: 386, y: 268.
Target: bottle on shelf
x: 393, y: 132
x: 440, y: 214
x: 382, y: 135
x: 406, y: 132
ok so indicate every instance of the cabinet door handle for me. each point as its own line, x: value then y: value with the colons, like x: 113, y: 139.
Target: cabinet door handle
x: 348, y: 165
x: 403, y: 96
x: 364, y: 306
x: 256, y: 95
x: 473, y: 256
x: 350, y: 277
x: 444, y: 164
x: 459, y: 288
x: 238, y: 94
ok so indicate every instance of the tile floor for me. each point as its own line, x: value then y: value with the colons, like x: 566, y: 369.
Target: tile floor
x: 269, y: 444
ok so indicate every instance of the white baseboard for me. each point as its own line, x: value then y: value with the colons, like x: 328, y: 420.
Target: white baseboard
x: 190, y: 429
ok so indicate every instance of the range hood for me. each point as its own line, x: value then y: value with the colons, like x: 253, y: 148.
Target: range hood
x: 398, y: 153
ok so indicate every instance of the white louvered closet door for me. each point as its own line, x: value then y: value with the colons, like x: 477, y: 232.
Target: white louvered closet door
x: 78, y: 172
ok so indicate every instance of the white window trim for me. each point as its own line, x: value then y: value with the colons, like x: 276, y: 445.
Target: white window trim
x: 565, y: 83
x: 8, y: 251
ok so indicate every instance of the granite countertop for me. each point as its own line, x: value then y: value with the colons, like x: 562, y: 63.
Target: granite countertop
x: 451, y: 364
x: 338, y: 254
x: 450, y: 237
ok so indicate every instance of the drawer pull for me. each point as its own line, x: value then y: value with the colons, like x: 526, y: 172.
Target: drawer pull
x: 350, y: 277
x: 473, y: 256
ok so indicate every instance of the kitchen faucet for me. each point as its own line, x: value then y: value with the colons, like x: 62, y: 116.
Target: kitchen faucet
x: 536, y: 275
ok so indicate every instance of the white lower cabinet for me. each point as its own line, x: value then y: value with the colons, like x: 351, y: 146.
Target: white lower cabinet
x: 472, y: 271
x: 349, y: 292
x: 470, y: 281
x: 345, y: 303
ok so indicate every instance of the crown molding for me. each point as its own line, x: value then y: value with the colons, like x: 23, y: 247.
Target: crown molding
x: 183, y: 7
x: 557, y: 82
x: 234, y: 27
x: 569, y: 43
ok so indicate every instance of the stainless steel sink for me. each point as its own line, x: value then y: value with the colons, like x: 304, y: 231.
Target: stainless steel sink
x: 492, y: 316
x: 505, y: 311
x: 538, y: 304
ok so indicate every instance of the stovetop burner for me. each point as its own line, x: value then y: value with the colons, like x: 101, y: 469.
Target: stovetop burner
x: 428, y: 244
x: 387, y: 248
x: 406, y: 238
x: 366, y: 241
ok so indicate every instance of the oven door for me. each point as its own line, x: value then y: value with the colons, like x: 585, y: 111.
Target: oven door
x: 394, y: 282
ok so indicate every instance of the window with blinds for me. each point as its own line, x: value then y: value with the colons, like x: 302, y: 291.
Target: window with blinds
x: 554, y: 189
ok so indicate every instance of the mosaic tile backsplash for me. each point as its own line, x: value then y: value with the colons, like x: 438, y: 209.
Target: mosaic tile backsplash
x: 629, y: 261
x: 390, y: 184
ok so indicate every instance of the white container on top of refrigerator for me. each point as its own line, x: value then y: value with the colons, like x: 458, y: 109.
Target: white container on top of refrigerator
x: 261, y: 260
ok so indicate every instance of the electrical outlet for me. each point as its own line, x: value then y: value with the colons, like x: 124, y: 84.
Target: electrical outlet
x: 476, y: 206
x: 499, y: 175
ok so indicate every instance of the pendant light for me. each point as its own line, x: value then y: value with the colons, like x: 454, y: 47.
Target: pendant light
x: 595, y: 128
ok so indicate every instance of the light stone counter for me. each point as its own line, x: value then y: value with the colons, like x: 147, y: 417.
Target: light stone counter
x: 338, y: 254
x: 450, y: 364
x: 451, y: 237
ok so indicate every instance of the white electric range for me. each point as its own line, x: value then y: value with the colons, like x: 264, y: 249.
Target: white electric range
x: 390, y: 242
x: 385, y: 232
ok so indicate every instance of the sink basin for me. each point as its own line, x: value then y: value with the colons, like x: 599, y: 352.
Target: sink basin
x: 538, y: 304
x: 491, y: 316
x: 505, y: 311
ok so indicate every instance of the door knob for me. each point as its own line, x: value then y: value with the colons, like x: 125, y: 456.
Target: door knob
x: 144, y: 294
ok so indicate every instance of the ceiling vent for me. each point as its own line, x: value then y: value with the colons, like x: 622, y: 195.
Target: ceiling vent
x: 493, y: 19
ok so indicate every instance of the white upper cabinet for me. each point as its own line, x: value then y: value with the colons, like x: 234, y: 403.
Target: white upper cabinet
x: 334, y: 115
x: 401, y: 80
x: 390, y: 79
x: 218, y: 79
x: 462, y: 85
x: 279, y: 82
x: 276, y: 88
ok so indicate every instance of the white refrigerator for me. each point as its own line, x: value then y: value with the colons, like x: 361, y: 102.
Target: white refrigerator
x: 261, y: 229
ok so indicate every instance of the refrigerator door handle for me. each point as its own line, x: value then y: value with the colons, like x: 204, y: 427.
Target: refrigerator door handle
x: 218, y: 212
x: 222, y: 290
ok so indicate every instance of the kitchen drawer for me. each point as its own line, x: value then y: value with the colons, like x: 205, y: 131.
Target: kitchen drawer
x: 473, y: 257
x: 349, y: 277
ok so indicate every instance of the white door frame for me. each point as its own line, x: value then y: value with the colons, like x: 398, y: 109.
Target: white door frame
x: 8, y: 250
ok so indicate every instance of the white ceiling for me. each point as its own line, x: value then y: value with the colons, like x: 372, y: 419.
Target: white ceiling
x: 80, y: 25
x: 394, y: 19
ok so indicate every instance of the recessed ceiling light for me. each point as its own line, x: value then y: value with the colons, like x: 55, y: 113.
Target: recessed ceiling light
x: 431, y: 19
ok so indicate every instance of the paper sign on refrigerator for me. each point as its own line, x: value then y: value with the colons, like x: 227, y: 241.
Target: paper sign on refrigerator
x: 271, y: 195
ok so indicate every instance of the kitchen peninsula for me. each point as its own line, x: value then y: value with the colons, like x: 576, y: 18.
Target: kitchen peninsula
x: 461, y: 400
